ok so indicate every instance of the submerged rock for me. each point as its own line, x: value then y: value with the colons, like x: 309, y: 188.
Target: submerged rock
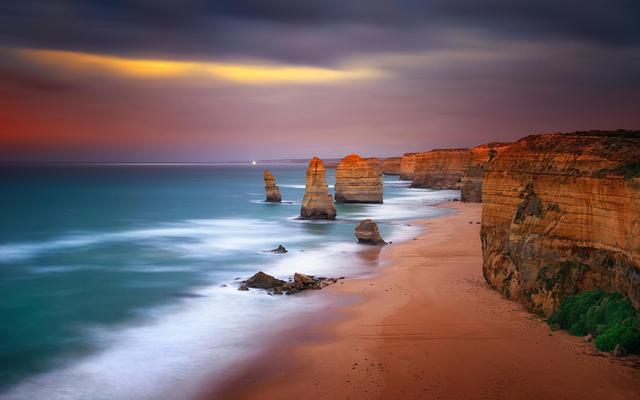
x: 300, y: 282
x: 263, y: 281
x: 279, y: 250
x: 272, y: 191
x: 317, y: 202
x: 367, y: 233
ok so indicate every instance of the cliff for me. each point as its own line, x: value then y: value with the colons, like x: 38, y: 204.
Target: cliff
x: 407, y: 166
x: 272, y: 191
x: 561, y: 215
x: 317, y: 202
x: 479, y: 158
x: 391, y: 166
x: 357, y: 181
x: 440, y: 169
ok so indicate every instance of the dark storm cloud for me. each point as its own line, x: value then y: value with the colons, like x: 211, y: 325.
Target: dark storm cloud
x: 305, y: 31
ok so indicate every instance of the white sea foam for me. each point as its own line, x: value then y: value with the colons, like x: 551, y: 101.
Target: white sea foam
x: 169, y: 351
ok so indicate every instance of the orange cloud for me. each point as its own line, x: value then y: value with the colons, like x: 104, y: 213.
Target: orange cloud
x: 250, y: 74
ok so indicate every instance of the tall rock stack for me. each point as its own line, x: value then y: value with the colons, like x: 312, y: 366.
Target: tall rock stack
x: 440, y: 169
x: 481, y: 156
x: 561, y: 215
x: 317, y: 202
x: 407, y: 166
x: 376, y: 164
x: 391, y: 166
x: 272, y: 191
x: 357, y: 181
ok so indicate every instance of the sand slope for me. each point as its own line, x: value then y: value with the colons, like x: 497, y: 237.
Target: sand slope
x: 428, y: 327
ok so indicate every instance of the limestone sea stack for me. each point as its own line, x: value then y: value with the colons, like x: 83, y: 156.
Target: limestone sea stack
x: 561, y: 215
x: 376, y: 164
x: 440, y: 169
x: 367, y: 233
x: 317, y: 202
x: 357, y: 181
x: 407, y: 166
x: 270, y: 188
x: 391, y: 166
x: 480, y: 157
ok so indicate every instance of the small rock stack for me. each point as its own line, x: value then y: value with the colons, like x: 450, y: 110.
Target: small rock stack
x: 367, y: 233
x: 317, y: 202
x: 270, y: 188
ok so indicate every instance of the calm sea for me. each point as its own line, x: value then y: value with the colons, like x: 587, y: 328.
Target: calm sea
x: 111, y: 276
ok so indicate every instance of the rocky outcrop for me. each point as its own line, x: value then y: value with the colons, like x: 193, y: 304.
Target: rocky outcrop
x: 270, y: 188
x: 279, y: 250
x: 272, y: 285
x: 407, y: 166
x: 367, y: 233
x: 440, y: 169
x: 561, y: 215
x: 357, y: 181
x: 317, y: 202
x: 391, y: 166
x: 479, y: 158
x: 376, y: 164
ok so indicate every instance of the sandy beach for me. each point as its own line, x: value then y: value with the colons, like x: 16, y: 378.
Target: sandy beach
x: 429, y: 327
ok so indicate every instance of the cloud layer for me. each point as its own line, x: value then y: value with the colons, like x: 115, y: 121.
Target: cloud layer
x: 192, y: 81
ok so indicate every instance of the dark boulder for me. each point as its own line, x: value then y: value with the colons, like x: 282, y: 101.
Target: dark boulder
x: 263, y: 281
x: 367, y: 233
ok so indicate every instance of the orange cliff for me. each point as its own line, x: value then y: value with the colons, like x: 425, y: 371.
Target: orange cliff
x: 317, y: 202
x: 358, y: 181
x: 391, y: 166
x: 407, y: 166
x: 440, y: 169
x: 560, y: 215
x: 479, y: 158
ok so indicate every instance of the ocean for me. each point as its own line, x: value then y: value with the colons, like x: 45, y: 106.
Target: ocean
x: 120, y: 281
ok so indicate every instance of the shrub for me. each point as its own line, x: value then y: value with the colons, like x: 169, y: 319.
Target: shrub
x: 609, y: 317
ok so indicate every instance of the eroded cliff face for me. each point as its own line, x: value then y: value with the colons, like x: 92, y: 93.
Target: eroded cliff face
x: 272, y: 191
x: 479, y: 158
x: 561, y: 215
x: 407, y: 166
x: 376, y: 164
x: 391, y: 166
x: 317, y: 202
x: 440, y: 169
x: 357, y: 181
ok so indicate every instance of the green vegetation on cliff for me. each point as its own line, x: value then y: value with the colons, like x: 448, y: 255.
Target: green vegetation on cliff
x: 609, y: 317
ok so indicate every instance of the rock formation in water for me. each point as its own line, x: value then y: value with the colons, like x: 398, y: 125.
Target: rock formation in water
x: 391, y: 166
x: 357, y: 181
x: 407, y: 166
x: 376, y: 164
x: 273, y: 285
x: 270, y: 188
x: 440, y: 169
x: 480, y: 157
x: 317, y: 202
x: 367, y: 233
x: 561, y: 215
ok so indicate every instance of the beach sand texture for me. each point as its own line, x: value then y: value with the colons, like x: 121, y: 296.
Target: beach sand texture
x: 428, y: 327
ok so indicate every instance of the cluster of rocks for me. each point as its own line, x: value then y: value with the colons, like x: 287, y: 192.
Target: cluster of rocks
x: 299, y: 282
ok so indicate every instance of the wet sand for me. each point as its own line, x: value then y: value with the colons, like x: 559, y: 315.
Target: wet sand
x: 428, y: 327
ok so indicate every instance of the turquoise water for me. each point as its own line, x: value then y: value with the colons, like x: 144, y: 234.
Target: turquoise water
x: 110, y: 276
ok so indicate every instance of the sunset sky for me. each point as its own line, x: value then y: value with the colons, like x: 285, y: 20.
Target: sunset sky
x: 188, y: 81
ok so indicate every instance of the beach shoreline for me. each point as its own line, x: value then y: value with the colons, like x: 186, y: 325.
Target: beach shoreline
x: 427, y: 326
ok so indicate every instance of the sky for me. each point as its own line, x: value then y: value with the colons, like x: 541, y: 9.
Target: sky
x: 206, y: 81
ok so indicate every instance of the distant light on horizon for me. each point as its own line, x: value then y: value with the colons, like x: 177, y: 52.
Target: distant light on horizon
x: 253, y: 163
